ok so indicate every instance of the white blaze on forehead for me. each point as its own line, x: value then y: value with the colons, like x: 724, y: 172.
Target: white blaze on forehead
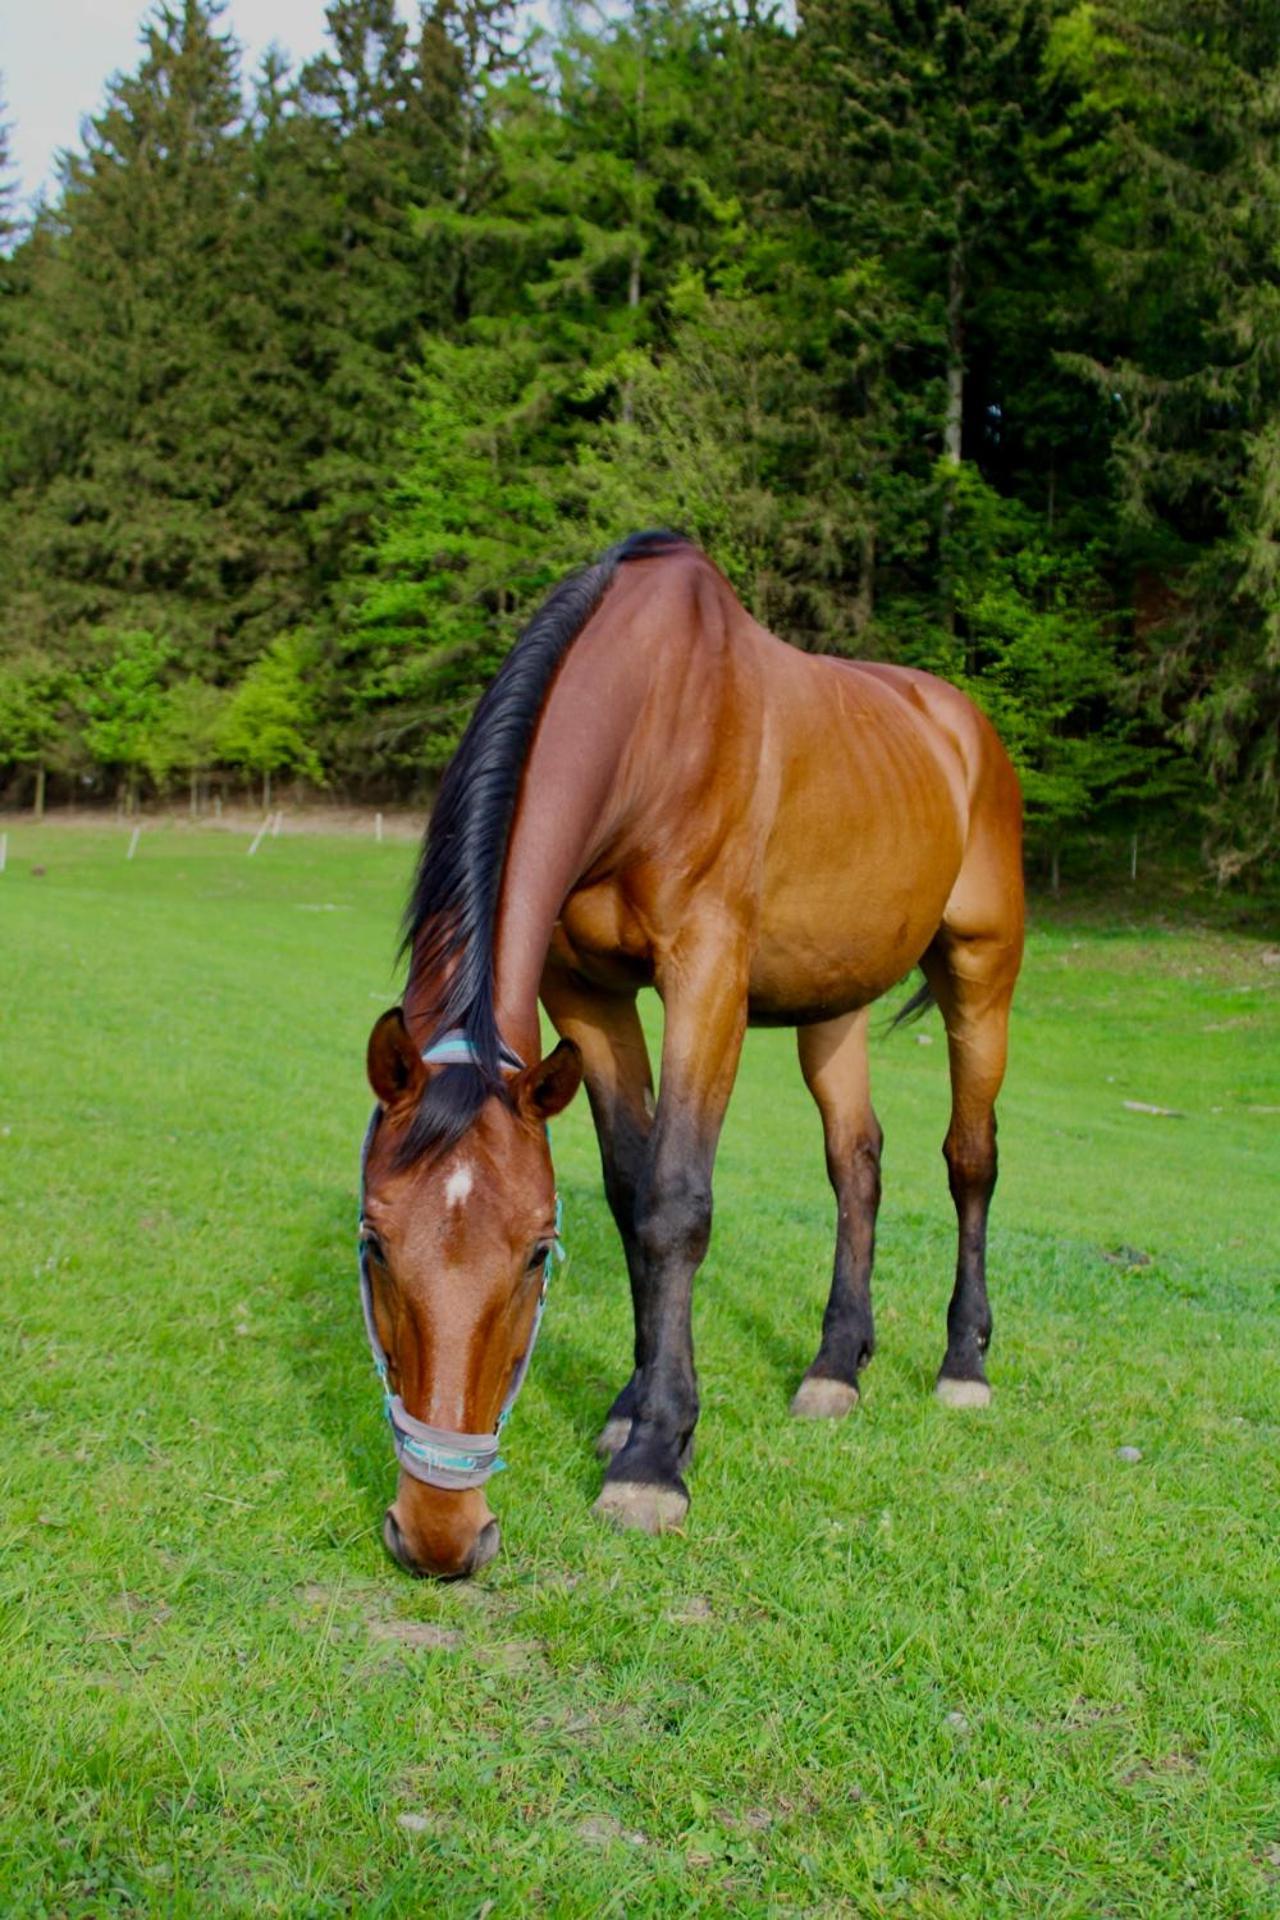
x: 458, y: 1185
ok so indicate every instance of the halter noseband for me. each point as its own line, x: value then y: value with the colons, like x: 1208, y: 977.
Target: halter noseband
x: 432, y: 1454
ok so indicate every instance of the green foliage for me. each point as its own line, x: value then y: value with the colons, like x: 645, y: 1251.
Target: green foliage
x: 188, y: 732
x: 122, y: 702
x: 268, y: 719
x: 949, y: 328
x: 1037, y: 647
x: 35, y: 709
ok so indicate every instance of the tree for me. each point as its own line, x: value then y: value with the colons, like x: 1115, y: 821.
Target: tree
x: 122, y: 703
x: 269, y: 717
x: 1040, y: 654
x: 187, y: 734
x: 133, y: 497
x: 1185, y: 352
x: 9, y: 225
x: 36, y: 717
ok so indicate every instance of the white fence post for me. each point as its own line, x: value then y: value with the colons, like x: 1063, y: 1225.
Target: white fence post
x: 133, y: 842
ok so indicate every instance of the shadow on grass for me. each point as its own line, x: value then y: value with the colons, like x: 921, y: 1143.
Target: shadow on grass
x: 329, y: 1354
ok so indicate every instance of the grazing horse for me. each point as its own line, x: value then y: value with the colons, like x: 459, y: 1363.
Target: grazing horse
x: 654, y: 791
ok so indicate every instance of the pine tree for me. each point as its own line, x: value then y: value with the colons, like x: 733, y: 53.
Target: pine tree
x: 1184, y: 349
x: 136, y: 500
x: 905, y: 144
x: 9, y: 225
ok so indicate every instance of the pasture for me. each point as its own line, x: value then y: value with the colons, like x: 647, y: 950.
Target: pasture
x: 917, y: 1663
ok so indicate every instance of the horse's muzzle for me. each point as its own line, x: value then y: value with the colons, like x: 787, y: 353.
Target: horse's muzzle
x: 447, y: 1543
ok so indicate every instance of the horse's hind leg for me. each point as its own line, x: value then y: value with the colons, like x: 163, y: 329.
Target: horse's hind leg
x: 972, y: 980
x: 833, y: 1059
x: 619, y: 1081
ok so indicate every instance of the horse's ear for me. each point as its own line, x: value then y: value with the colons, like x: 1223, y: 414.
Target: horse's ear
x: 543, y: 1091
x: 396, y: 1072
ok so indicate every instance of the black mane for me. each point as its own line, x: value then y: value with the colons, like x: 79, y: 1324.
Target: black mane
x: 453, y: 905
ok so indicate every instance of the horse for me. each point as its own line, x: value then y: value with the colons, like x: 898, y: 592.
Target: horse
x: 656, y: 791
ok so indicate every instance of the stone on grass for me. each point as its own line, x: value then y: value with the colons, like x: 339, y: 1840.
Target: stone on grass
x: 1131, y: 1454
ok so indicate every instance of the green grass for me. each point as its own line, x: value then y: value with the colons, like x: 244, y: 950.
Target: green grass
x: 920, y: 1663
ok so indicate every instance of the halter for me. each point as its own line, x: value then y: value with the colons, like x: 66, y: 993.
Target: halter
x: 432, y: 1454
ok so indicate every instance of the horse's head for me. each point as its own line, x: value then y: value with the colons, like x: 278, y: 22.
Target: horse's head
x: 456, y: 1243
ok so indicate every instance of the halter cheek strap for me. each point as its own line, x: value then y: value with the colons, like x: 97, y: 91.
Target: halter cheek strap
x: 434, y: 1455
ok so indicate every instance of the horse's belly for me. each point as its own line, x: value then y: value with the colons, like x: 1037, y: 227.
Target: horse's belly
x: 853, y: 892
x: 828, y: 954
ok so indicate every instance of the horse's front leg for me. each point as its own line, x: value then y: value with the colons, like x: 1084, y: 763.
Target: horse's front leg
x: 606, y: 1028
x: 704, y: 988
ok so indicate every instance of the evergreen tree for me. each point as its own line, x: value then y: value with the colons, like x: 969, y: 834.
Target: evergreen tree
x: 135, y: 498
x: 1187, y: 353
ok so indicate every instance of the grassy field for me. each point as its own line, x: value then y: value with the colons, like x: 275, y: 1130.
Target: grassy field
x: 920, y: 1663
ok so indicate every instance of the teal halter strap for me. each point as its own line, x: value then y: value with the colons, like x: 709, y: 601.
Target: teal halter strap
x: 434, y: 1455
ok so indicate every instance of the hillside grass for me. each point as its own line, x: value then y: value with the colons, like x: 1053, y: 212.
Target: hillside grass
x: 919, y: 1663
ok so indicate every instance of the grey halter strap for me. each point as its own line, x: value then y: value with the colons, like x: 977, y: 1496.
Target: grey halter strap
x: 432, y: 1454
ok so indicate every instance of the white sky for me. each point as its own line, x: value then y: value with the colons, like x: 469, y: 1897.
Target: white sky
x: 57, y: 55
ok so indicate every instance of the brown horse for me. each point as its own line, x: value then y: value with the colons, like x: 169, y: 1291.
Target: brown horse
x: 656, y: 791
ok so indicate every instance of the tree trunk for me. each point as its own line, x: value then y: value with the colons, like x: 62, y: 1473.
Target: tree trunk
x: 195, y: 793
x: 865, y: 599
x: 633, y: 282
x: 953, y: 424
x: 953, y: 439
x: 266, y: 791
x: 1054, y: 875
x: 38, y: 804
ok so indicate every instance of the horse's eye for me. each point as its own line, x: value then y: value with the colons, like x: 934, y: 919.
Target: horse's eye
x: 372, y: 1246
x: 538, y: 1258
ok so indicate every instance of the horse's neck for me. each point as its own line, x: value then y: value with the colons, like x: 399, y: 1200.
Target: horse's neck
x: 565, y: 815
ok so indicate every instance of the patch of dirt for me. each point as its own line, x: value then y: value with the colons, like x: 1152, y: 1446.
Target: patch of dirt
x: 416, y: 1633
x: 510, y: 1656
x: 1175, y: 1762
x: 691, y: 1611
x: 587, y: 1727
x: 414, y: 1822
x: 602, y: 1830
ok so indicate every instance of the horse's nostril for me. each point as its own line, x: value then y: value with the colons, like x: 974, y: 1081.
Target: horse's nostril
x: 485, y: 1548
x: 393, y: 1541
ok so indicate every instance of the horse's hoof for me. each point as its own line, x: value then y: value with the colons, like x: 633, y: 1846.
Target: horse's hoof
x: 962, y: 1393
x: 636, y: 1503
x: 612, y: 1438
x: 823, y: 1400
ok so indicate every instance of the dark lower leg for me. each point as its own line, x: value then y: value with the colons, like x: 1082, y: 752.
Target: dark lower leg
x: 606, y: 1028
x: 971, y: 1166
x: 705, y: 1022
x: 833, y: 1059
x: 661, y: 1400
x: 848, y: 1329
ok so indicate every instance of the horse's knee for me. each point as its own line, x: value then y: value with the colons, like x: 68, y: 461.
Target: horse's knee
x: 673, y: 1219
x: 972, y: 1165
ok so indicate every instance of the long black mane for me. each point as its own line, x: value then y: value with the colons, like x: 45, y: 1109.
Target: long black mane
x: 449, y: 921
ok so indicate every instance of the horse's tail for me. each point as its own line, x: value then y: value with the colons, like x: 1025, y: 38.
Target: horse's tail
x: 918, y: 1005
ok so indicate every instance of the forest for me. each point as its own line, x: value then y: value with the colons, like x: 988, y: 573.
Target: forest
x: 950, y: 327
